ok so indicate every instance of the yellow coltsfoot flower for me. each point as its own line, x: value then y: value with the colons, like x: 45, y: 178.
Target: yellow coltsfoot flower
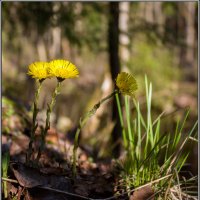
x: 39, y: 70
x: 126, y: 84
x: 62, y: 69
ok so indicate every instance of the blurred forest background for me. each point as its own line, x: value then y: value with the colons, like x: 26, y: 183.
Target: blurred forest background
x: 158, y: 39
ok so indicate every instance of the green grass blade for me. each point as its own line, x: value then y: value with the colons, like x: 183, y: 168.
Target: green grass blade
x: 183, y: 162
x: 121, y: 120
x: 130, y: 135
x: 5, y: 164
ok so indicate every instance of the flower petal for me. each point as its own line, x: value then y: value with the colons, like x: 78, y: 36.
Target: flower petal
x: 126, y: 83
x: 63, y: 69
x: 38, y: 70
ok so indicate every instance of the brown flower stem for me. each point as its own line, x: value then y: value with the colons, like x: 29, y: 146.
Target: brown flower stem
x: 82, y: 123
x: 34, y: 124
x: 47, y: 125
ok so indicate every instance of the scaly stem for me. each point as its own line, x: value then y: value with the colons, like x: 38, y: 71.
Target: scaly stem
x: 82, y: 123
x: 47, y: 125
x: 34, y: 124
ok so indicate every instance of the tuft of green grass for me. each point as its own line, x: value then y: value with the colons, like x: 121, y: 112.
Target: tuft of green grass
x: 151, y: 154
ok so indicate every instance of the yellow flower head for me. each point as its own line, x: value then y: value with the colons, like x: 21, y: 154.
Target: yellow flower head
x: 126, y: 83
x: 63, y: 69
x: 38, y: 70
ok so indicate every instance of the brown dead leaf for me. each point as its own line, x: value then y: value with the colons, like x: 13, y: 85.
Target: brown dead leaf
x: 93, y: 186
x: 26, y: 176
x: 12, y: 189
x: 145, y: 193
x: 30, y: 177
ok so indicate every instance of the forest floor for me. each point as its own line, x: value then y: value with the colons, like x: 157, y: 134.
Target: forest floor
x: 52, y: 178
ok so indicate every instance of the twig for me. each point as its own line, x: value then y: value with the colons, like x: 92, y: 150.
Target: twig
x: 9, y: 180
x: 184, y: 194
x: 179, y: 188
x: 174, y: 197
x: 193, y: 139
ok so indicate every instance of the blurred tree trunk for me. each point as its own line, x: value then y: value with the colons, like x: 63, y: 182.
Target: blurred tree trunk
x: 124, y: 37
x: 55, y: 50
x: 141, y: 12
x: 113, y: 45
x: 190, y: 33
x: 187, y: 52
x: 56, y: 43
x: 159, y: 17
x: 42, y: 50
x: 149, y: 12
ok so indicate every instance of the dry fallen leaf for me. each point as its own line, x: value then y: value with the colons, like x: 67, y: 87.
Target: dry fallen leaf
x: 145, y: 193
x: 26, y: 176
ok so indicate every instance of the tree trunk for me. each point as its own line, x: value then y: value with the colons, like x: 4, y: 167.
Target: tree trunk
x: 187, y: 53
x: 41, y: 49
x: 141, y: 12
x: 149, y: 14
x: 113, y: 46
x: 55, y: 50
x: 159, y: 17
x: 56, y: 43
x: 190, y: 33
x: 124, y: 38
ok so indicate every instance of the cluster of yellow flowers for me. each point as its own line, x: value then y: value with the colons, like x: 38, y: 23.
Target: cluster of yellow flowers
x: 61, y: 69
